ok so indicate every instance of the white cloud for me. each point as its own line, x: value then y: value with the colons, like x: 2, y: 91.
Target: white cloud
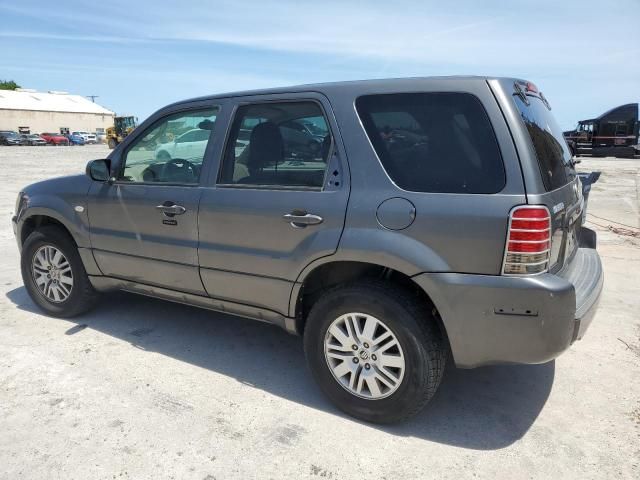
x: 573, y: 48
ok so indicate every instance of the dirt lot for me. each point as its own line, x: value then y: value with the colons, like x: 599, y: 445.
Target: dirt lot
x: 144, y: 389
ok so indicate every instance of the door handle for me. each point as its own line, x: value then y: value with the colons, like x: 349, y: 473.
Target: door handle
x: 171, y: 209
x: 301, y: 221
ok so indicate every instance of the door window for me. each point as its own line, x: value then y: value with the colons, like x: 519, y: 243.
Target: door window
x: 172, y: 150
x: 277, y: 144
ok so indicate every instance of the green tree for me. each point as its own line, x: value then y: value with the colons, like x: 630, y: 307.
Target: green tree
x: 8, y: 85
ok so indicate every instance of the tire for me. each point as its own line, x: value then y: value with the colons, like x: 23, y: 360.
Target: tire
x: 112, y: 143
x: 81, y: 296
x: 416, y: 331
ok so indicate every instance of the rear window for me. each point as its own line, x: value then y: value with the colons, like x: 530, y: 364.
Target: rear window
x: 434, y: 142
x: 552, y: 151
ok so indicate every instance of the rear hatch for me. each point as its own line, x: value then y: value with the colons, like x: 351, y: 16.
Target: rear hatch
x: 560, y: 190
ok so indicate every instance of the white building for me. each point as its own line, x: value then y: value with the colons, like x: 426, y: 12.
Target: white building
x: 29, y: 111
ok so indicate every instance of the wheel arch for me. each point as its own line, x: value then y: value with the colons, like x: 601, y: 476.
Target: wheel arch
x: 331, y: 273
x: 36, y: 221
x: 36, y: 218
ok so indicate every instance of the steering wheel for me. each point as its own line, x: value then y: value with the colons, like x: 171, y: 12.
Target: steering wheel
x: 179, y: 170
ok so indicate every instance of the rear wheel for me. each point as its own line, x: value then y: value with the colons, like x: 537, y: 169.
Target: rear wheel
x: 54, y: 275
x: 375, y: 350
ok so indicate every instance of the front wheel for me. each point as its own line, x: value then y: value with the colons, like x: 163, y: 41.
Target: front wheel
x: 54, y: 275
x: 375, y: 350
x: 112, y: 143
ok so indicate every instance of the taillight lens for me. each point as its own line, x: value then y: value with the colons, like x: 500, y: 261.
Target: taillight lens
x: 528, y: 241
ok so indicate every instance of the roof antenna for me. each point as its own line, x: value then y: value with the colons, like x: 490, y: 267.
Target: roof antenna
x: 92, y: 97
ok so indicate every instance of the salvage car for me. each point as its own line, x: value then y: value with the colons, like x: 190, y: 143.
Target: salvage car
x: 32, y: 139
x: 75, y: 139
x: 55, y: 139
x: 441, y: 219
x: 88, y: 137
x: 8, y: 138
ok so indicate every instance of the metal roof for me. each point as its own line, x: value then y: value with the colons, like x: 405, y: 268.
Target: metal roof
x: 348, y: 84
x: 48, y: 102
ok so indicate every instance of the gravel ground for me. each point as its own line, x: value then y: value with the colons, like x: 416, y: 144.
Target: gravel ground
x: 142, y: 389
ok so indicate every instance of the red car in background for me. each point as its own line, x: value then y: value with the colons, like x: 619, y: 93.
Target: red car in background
x: 55, y: 138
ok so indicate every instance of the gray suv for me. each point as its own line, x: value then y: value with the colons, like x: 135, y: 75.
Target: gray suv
x: 439, y: 218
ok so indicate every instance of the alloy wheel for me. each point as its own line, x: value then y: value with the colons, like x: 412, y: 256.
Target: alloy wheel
x: 364, y: 356
x: 52, y: 273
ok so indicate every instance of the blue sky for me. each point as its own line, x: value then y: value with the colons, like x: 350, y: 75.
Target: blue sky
x: 140, y: 55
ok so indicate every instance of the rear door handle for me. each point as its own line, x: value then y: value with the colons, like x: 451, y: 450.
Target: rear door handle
x: 301, y: 221
x: 170, y: 209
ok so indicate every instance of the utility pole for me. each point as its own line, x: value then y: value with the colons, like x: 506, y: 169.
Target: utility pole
x: 92, y: 97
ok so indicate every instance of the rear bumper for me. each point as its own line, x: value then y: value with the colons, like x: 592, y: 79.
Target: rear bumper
x: 586, y: 275
x: 497, y: 319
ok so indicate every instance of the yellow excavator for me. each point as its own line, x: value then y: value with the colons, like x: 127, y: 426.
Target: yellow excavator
x: 122, y: 126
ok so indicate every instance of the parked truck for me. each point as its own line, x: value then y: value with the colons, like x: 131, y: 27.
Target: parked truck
x: 614, y: 133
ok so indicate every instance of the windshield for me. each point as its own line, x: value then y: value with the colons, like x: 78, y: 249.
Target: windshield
x: 554, y: 157
x: 127, y: 122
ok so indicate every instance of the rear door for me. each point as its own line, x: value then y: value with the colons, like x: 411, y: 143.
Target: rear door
x: 550, y: 176
x: 274, y: 206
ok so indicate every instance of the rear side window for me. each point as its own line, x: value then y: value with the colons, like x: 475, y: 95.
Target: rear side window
x: 552, y: 151
x: 434, y: 142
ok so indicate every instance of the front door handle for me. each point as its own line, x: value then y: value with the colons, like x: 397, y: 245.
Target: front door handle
x: 302, y: 220
x: 170, y: 209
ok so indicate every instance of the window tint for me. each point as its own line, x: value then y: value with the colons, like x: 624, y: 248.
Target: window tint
x: 434, y: 142
x: 277, y: 144
x: 554, y: 156
x: 172, y: 151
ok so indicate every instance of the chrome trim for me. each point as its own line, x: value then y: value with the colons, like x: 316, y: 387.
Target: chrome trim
x: 528, y: 264
x: 529, y: 253
x: 506, y: 244
x: 529, y: 241
x: 529, y: 230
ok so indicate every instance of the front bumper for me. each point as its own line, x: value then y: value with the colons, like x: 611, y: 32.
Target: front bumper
x: 498, y: 319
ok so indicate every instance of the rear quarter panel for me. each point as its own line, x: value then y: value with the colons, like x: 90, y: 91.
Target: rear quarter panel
x: 451, y: 232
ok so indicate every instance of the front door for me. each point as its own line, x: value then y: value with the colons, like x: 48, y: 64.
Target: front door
x: 144, y: 225
x: 278, y: 203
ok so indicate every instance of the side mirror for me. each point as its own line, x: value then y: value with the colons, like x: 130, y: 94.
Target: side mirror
x: 98, y: 170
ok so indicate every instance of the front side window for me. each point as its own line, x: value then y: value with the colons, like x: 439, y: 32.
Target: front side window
x: 277, y: 145
x: 434, y: 142
x: 172, y: 151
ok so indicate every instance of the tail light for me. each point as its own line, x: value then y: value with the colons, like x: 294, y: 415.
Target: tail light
x: 528, y: 241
